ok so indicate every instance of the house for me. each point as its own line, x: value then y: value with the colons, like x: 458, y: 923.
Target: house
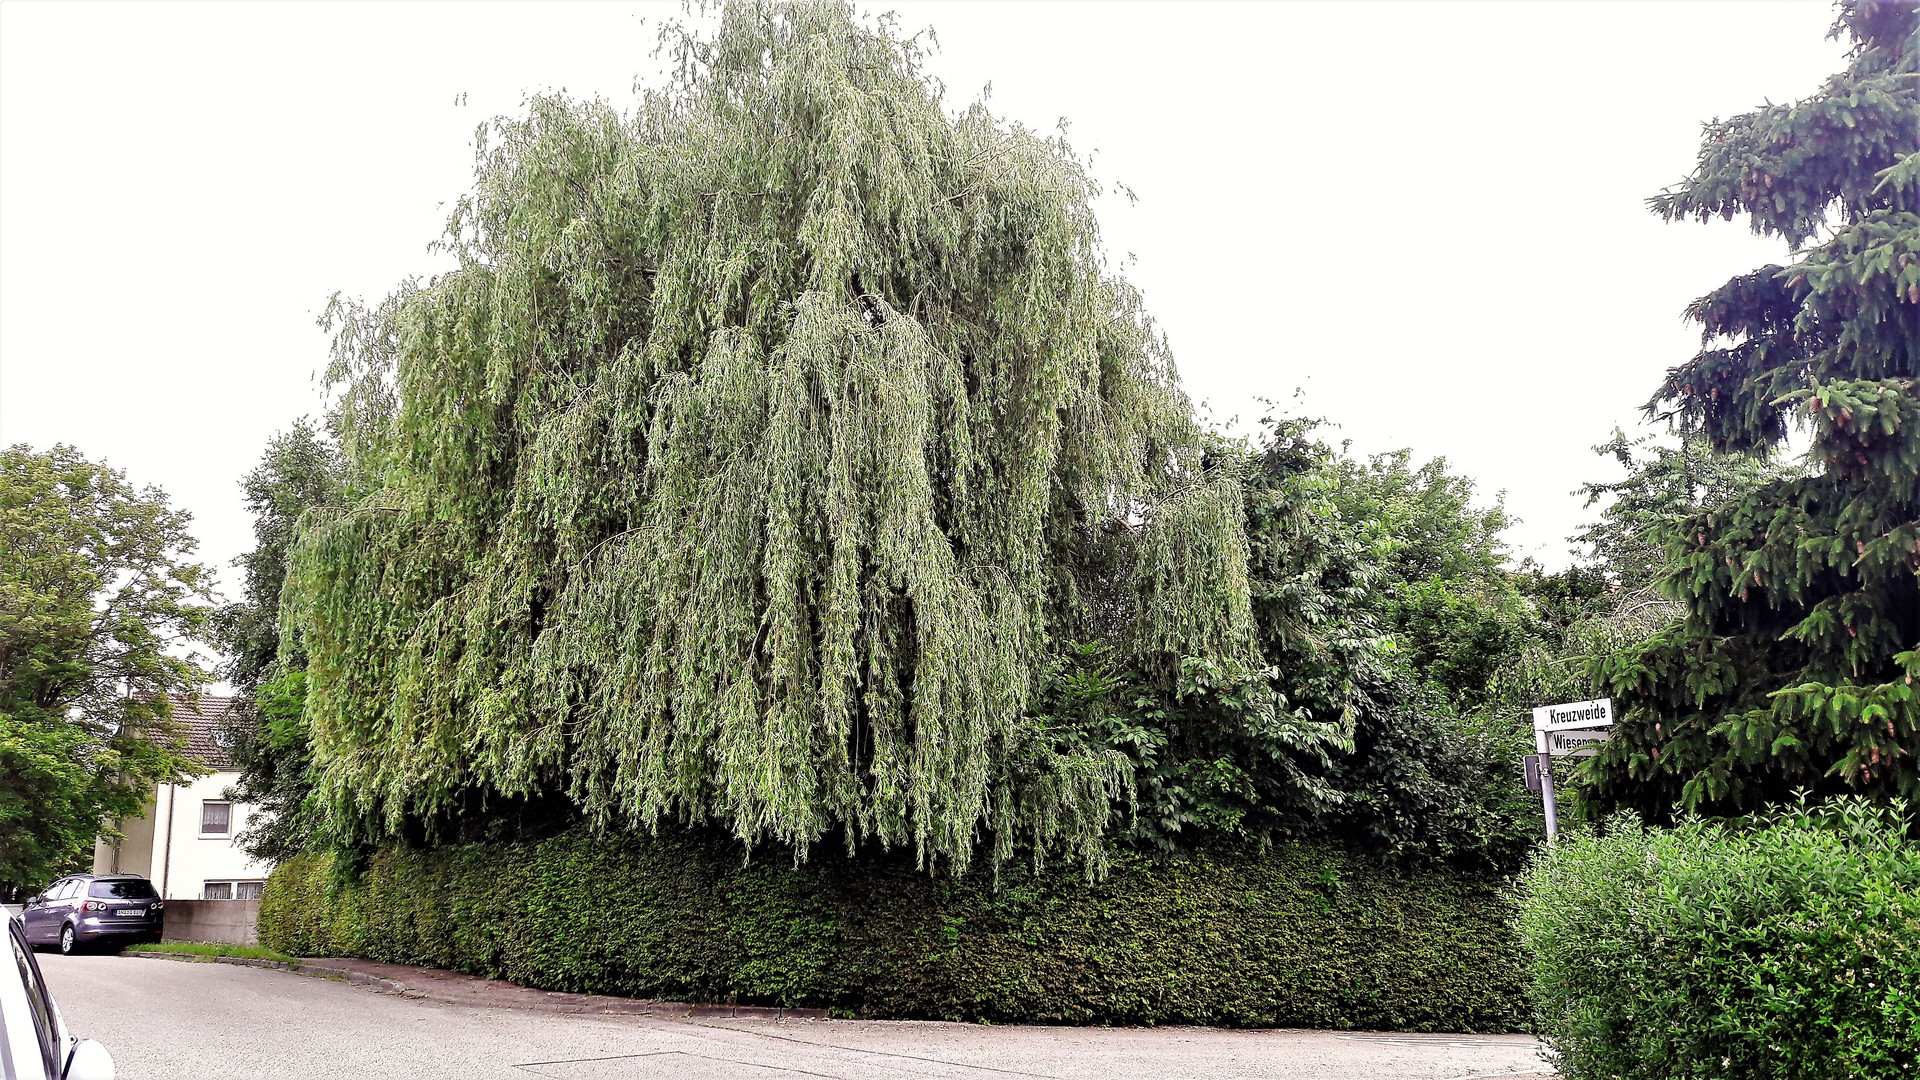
x: 185, y: 842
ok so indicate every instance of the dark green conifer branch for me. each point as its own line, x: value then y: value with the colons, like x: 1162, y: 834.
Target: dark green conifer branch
x: 1796, y: 663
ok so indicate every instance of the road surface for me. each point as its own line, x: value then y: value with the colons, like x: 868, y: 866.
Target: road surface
x: 168, y: 1020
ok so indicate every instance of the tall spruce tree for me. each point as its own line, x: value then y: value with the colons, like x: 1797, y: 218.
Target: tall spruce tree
x: 747, y: 468
x: 1796, y: 662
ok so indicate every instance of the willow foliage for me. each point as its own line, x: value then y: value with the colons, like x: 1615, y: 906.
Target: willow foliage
x: 739, y: 472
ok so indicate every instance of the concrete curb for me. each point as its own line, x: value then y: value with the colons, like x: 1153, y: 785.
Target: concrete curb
x: 241, y: 961
x: 439, y: 986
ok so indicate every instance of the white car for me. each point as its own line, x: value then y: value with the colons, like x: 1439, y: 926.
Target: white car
x: 34, y: 1041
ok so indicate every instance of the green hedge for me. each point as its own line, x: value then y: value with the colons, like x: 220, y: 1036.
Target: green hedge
x: 1789, y: 952
x: 1302, y: 936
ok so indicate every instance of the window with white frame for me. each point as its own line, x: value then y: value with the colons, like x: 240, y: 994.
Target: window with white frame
x: 231, y: 890
x: 216, y: 817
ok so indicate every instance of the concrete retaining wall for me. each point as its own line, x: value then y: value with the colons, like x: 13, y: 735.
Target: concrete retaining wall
x: 234, y: 922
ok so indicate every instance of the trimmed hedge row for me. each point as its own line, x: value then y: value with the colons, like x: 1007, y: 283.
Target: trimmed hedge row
x: 1301, y: 936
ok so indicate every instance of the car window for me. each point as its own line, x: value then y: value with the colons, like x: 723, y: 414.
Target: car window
x: 124, y: 889
x: 61, y: 889
x: 9, y: 1022
x: 38, y: 1005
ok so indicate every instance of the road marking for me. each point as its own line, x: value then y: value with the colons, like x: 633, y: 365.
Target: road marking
x: 1419, y: 1040
x: 683, y: 1053
x: 872, y: 1053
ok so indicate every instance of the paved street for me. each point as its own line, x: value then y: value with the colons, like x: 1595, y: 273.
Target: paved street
x: 167, y: 1020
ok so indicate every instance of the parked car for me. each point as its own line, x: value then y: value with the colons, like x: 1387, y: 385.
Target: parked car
x: 112, y: 910
x: 34, y: 1041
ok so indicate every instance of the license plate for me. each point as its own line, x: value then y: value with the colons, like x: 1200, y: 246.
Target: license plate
x: 132, y: 913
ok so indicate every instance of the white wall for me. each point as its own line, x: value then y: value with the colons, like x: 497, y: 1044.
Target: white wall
x: 180, y: 860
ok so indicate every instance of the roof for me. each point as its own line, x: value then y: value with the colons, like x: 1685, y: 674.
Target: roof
x: 201, y: 723
x: 88, y: 876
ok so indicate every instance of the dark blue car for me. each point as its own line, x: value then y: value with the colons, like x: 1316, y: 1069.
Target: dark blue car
x: 81, y: 910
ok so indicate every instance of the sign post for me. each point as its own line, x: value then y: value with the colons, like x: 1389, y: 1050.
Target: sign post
x: 1575, y: 729
x: 1546, y: 799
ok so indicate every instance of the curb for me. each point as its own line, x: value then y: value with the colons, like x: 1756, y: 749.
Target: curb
x: 197, y: 958
x: 561, y: 1002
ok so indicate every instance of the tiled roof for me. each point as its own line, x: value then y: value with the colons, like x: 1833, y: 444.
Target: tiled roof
x: 200, y: 723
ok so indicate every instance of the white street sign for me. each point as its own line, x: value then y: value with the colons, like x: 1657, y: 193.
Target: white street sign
x: 1584, y: 743
x: 1574, y: 715
x: 1549, y: 720
x: 1575, y: 729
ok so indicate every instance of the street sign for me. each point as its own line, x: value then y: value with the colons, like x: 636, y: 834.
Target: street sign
x: 1575, y: 729
x: 1574, y: 715
x: 1549, y: 720
x: 1574, y: 743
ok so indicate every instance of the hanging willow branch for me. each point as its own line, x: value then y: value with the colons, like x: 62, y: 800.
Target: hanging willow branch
x: 792, y: 635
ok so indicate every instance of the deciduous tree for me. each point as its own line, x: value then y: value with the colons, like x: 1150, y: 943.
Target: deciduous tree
x: 99, y: 606
x: 743, y: 469
x: 271, y: 743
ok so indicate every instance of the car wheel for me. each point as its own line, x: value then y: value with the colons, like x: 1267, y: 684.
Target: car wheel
x: 68, y: 944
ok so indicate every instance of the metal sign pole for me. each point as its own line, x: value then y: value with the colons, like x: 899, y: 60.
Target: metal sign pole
x: 1546, y: 798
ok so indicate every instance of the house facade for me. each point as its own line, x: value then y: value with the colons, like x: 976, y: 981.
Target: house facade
x: 185, y: 841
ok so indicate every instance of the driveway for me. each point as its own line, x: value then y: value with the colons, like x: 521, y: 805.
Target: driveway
x: 167, y: 1020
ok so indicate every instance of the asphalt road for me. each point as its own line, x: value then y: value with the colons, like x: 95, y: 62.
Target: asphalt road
x: 166, y: 1020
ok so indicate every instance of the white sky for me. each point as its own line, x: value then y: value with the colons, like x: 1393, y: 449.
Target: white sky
x: 1428, y: 216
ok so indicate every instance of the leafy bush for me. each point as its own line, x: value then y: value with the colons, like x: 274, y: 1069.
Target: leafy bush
x: 1410, y: 774
x: 1790, y: 949
x: 1300, y: 936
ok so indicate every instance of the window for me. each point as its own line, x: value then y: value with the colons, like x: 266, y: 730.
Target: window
x: 38, y: 1005
x: 231, y: 890
x: 215, y: 817
x: 123, y: 889
x: 63, y: 889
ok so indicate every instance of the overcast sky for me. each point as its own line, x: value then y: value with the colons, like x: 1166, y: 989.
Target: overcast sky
x: 1430, y: 217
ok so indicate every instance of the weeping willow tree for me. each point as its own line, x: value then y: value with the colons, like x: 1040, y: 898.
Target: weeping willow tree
x: 745, y: 469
